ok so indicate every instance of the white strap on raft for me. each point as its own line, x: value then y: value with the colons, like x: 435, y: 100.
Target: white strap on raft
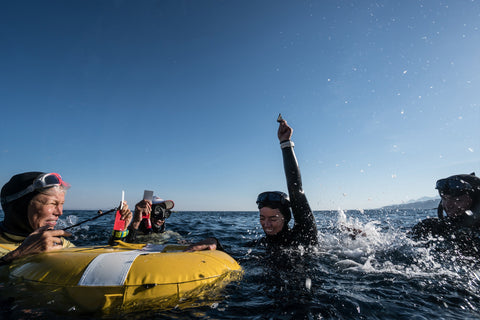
x: 111, y: 269
x: 150, y: 247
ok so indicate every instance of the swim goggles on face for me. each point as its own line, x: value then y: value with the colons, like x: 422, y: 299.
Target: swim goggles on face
x: 272, y: 197
x: 454, y: 186
x: 46, y: 180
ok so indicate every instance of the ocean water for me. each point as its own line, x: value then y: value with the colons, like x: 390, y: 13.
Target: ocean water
x: 380, y: 274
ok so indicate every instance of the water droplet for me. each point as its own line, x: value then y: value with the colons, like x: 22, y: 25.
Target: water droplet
x: 308, y: 283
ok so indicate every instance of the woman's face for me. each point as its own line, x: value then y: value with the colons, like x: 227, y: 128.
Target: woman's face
x: 272, y: 220
x: 456, y: 206
x: 45, y: 208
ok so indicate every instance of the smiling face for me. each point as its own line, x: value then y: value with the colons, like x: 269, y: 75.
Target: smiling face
x: 45, y: 208
x: 272, y: 220
x: 456, y: 206
x: 157, y: 221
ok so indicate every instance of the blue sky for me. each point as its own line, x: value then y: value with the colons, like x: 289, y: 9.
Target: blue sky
x: 181, y: 97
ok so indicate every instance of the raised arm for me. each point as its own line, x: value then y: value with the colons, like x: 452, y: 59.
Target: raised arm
x: 305, y: 227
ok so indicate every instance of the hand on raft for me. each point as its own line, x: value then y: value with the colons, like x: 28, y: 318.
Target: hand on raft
x: 43, y: 239
x: 206, y: 244
x: 46, y: 239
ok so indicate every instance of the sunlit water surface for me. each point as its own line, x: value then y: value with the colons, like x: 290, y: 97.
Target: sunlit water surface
x: 381, y: 274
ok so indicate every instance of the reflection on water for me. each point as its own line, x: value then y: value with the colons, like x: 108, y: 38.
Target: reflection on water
x: 378, y: 274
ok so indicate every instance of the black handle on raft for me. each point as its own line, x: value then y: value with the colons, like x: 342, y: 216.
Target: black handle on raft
x: 99, y: 215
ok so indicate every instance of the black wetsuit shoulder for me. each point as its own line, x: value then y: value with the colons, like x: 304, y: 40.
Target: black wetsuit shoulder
x: 143, y: 230
x: 445, y: 227
x: 462, y: 235
x: 430, y: 227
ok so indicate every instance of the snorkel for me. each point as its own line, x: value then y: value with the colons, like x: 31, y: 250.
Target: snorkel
x: 459, y: 185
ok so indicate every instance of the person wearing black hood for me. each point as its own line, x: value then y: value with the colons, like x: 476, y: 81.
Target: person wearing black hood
x: 460, y: 199
x: 149, y: 217
x: 32, y: 203
x: 276, y: 207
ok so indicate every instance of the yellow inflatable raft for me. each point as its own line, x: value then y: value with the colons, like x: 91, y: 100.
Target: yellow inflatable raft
x: 128, y: 277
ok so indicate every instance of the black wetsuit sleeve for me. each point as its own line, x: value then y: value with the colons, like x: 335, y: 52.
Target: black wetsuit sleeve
x: 305, y: 228
x: 420, y: 230
x: 132, y: 235
x: 431, y: 227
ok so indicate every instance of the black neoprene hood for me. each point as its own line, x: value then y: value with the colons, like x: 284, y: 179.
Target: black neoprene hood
x: 16, y: 212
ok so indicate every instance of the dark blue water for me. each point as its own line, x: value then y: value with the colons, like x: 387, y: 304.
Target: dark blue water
x: 381, y: 274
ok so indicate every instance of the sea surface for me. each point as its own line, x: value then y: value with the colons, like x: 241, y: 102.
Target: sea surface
x: 379, y: 274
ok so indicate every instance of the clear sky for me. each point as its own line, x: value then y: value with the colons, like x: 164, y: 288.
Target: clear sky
x: 181, y: 97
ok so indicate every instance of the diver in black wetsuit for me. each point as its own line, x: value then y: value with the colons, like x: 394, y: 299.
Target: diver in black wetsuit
x: 149, y: 217
x: 460, y: 199
x: 289, y: 270
x: 276, y: 207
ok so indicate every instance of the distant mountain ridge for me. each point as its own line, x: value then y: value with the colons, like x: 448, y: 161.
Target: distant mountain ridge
x: 422, y: 203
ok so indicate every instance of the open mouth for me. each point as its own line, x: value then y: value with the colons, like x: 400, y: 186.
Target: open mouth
x: 51, y: 223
